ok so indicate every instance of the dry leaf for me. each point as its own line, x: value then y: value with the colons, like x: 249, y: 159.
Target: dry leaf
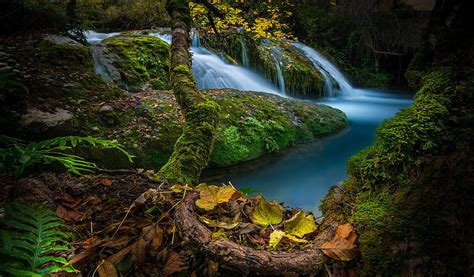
x: 117, y: 243
x: 342, y: 246
x: 68, y: 201
x: 210, y: 196
x: 267, y: 213
x: 68, y: 215
x: 92, y: 200
x: 275, y: 238
x: 300, y: 224
x: 139, y: 251
x: 219, y: 224
x: 107, y: 269
x: 174, y: 263
x: 118, y: 257
x: 105, y: 181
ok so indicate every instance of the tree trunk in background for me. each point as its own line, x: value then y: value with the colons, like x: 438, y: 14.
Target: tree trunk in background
x: 192, y: 150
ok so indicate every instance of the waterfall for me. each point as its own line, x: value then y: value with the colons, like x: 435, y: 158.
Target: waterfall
x: 329, y: 71
x: 276, y: 55
x: 212, y: 72
x: 244, y: 53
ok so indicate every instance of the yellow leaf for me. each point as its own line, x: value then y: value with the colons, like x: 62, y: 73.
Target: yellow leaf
x: 300, y: 224
x: 275, y: 238
x: 266, y: 213
x: 295, y: 239
x: 107, y: 269
x: 342, y: 246
x: 210, y: 196
x: 180, y: 188
x: 219, y: 224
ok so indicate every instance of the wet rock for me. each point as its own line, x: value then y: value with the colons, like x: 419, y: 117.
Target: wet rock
x: 48, y: 119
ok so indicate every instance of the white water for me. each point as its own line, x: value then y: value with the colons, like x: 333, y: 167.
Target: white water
x: 212, y: 72
x: 329, y: 71
x: 276, y: 55
x: 93, y: 37
x: 244, y: 53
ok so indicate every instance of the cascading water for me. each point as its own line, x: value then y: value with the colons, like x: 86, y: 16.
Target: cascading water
x: 276, y: 54
x: 244, y: 53
x: 329, y: 71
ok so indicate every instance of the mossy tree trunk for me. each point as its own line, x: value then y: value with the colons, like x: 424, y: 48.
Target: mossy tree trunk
x: 192, y: 150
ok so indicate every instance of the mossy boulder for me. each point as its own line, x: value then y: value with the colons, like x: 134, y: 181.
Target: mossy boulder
x: 136, y: 60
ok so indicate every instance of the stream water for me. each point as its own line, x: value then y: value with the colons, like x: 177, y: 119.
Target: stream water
x: 302, y: 175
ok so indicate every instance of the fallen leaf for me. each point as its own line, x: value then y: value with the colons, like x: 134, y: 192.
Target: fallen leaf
x: 67, y: 214
x: 117, y: 243
x: 106, y: 182
x: 174, y: 263
x: 139, y: 251
x: 153, y: 235
x: 118, y: 257
x: 300, y: 224
x: 342, y: 246
x: 210, y: 196
x: 180, y: 188
x: 219, y: 224
x: 295, y: 239
x: 275, y: 238
x: 92, y: 200
x: 267, y: 213
x: 213, y: 268
x: 245, y: 228
x: 67, y: 200
x: 107, y: 269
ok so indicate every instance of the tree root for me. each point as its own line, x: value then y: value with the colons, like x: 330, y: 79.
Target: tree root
x: 248, y: 260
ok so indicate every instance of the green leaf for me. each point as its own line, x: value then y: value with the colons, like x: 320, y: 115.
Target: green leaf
x: 300, y: 224
x: 267, y: 213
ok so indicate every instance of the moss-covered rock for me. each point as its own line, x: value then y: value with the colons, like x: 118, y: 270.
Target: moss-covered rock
x: 139, y: 59
x: 252, y: 124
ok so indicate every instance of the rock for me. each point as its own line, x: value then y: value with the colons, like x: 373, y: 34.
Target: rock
x: 106, y: 109
x: 45, y: 118
x: 60, y: 40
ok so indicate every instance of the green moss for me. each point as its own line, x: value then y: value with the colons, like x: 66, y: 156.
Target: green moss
x: 397, y: 186
x: 252, y: 125
x: 64, y: 55
x: 140, y: 59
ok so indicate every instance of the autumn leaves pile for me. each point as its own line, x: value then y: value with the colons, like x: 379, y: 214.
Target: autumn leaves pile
x: 255, y: 222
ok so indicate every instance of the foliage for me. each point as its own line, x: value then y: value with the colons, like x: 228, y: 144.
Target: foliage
x: 210, y: 196
x: 300, y: 224
x: 16, y: 155
x: 261, y: 19
x: 29, y: 238
x: 342, y: 246
x: 267, y: 213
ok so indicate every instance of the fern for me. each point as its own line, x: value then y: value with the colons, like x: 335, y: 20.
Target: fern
x: 16, y: 155
x: 33, y: 235
x: 7, y: 79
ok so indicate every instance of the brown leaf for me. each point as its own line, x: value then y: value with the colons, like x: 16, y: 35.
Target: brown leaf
x: 174, y: 263
x: 68, y: 201
x: 153, y: 235
x: 84, y: 256
x: 68, y: 215
x: 139, y: 251
x: 117, y: 243
x: 118, y: 257
x: 92, y: 200
x: 107, y: 269
x: 342, y: 246
x: 106, y: 182
x: 91, y: 242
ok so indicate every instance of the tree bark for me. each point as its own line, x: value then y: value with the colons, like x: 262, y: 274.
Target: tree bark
x: 248, y: 260
x: 192, y: 150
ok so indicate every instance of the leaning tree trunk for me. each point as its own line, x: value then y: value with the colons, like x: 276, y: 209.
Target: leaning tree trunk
x: 192, y: 150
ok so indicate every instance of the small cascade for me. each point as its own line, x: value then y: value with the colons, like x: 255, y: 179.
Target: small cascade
x: 244, y: 53
x: 212, y: 72
x: 103, y: 68
x: 334, y: 79
x: 276, y: 55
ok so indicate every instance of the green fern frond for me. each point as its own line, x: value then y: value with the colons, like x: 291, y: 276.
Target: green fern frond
x: 16, y: 155
x: 29, y: 238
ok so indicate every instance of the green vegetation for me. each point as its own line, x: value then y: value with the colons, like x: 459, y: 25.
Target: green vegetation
x: 32, y: 242
x: 17, y: 155
x: 140, y: 59
x: 251, y: 125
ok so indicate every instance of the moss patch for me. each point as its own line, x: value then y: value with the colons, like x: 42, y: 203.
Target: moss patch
x: 140, y: 59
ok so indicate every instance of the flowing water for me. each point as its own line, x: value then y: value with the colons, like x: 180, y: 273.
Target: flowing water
x: 302, y: 175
